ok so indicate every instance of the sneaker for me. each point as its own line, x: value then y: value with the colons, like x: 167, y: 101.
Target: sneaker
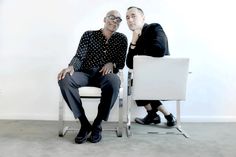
x: 148, y: 119
x: 171, y: 121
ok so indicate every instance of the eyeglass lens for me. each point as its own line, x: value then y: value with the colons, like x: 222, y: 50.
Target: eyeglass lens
x: 112, y: 17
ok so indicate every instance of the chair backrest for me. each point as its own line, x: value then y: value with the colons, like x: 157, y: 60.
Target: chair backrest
x: 163, y: 78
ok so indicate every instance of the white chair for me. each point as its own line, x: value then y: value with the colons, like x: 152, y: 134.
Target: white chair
x: 154, y: 78
x: 89, y: 92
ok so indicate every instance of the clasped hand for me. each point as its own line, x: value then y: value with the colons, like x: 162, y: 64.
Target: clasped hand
x: 135, y: 36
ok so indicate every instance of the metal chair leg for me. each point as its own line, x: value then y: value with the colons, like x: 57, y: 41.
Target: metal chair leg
x: 120, y: 122
x: 128, y: 124
x: 178, y: 127
x: 61, y: 117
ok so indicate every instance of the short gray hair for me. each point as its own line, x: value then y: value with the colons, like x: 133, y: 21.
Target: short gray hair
x: 139, y: 9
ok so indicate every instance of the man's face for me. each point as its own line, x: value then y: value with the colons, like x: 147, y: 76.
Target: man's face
x: 135, y: 19
x: 112, y: 21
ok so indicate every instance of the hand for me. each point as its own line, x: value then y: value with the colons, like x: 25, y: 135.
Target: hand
x: 136, y: 34
x: 63, y: 73
x: 107, y: 68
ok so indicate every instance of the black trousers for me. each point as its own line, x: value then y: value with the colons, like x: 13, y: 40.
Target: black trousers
x: 109, y: 84
x: 154, y: 103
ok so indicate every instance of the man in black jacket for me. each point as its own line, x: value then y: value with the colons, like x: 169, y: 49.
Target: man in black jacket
x: 150, y: 40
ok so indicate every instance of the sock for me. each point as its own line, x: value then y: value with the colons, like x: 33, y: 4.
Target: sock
x: 97, y: 121
x: 169, y: 117
x: 154, y: 107
x: 84, y: 121
x: 151, y: 113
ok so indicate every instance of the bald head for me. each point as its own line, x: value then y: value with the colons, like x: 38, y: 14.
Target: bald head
x: 112, y: 21
x: 113, y: 12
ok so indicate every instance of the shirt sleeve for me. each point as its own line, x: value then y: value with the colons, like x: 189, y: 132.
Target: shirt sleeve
x: 130, y: 56
x: 158, y: 43
x: 77, y: 60
x: 120, y: 59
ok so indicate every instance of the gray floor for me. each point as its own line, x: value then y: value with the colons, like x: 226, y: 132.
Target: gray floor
x: 40, y: 139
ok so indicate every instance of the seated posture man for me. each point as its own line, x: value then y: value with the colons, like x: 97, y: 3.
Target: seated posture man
x: 150, y: 40
x: 100, y: 55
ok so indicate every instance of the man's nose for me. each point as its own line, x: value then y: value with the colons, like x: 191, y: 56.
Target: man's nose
x: 129, y: 20
x: 116, y: 21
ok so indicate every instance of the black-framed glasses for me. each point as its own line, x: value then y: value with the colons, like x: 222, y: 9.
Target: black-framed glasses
x: 113, y: 18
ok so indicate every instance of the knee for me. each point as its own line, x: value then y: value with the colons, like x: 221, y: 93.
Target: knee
x: 113, y: 82
x: 64, y: 82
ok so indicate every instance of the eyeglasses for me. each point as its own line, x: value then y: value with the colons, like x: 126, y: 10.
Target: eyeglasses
x: 113, y: 18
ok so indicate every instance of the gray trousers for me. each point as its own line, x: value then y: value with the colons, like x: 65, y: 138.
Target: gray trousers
x: 109, y: 84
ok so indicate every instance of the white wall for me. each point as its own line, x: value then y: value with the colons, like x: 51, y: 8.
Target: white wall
x: 39, y: 37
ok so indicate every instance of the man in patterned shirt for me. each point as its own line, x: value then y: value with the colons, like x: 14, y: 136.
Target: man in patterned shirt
x: 100, y: 54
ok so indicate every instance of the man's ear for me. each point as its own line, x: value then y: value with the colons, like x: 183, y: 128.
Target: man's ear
x: 104, y: 20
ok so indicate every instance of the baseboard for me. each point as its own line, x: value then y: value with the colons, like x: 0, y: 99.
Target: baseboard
x: 28, y: 117
x: 208, y: 118
x: 55, y: 117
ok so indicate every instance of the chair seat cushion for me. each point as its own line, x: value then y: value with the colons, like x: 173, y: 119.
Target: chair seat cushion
x: 89, y: 91
x: 93, y: 91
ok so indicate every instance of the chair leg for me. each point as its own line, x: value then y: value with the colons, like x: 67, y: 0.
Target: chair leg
x: 128, y: 125
x: 178, y: 127
x: 62, y: 129
x: 119, y: 130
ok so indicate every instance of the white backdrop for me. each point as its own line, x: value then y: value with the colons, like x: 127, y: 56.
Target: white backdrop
x: 39, y: 37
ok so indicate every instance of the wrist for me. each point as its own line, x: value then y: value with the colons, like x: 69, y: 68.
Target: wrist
x: 114, y: 65
x: 71, y: 68
x: 132, y: 44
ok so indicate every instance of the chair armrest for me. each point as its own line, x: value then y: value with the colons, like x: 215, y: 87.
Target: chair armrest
x: 130, y: 74
x: 121, y: 76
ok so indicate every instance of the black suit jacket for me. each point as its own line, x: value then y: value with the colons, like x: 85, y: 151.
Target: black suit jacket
x: 152, y: 42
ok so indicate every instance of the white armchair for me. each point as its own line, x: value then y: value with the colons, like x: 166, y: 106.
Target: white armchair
x: 154, y: 78
x: 92, y: 93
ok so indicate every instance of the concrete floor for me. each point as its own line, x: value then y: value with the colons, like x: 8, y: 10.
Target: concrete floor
x: 40, y: 139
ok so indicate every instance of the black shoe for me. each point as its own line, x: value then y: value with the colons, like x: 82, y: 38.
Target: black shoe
x: 149, y: 119
x: 96, y: 134
x: 83, y: 135
x: 171, y: 121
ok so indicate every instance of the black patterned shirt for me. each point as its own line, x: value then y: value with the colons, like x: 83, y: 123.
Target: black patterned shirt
x: 94, y: 51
